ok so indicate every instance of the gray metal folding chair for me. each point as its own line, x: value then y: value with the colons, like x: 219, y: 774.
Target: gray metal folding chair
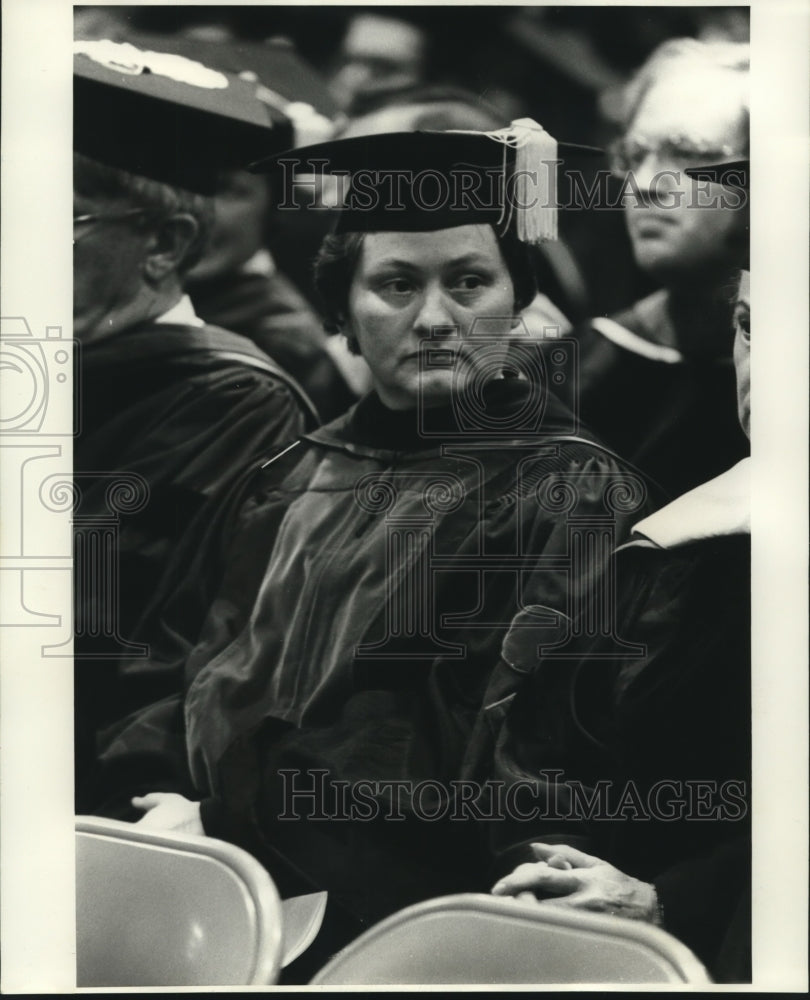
x: 161, y: 909
x: 479, y: 939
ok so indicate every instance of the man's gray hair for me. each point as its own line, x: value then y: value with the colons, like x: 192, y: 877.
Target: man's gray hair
x: 92, y: 179
x: 685, y: 56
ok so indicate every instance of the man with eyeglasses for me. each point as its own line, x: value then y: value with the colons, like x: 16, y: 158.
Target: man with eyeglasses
x: 657, y: 378
x: 171, y: 409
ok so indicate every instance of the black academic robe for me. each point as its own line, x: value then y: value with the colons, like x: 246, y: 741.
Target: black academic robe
x: 644, y: 758
x: 275, y: 316
x: 169, y: 414
x: 673, y: 416
x: 365, y: 584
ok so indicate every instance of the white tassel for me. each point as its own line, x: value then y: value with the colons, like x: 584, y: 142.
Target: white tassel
x: 531, y: 198
x: 535, y: 182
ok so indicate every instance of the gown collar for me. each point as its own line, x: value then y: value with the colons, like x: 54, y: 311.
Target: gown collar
x: 712, y: 510
x: 371, y: 427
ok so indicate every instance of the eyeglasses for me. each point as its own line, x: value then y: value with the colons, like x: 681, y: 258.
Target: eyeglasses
x: 94, y: 217
x: 679, y: 150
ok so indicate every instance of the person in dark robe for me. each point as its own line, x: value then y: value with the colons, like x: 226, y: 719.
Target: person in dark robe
x: 657, y: 378
x: 169, y: 408
x: 642, y: 759
x: 340, y: 626
x: 238, y: 283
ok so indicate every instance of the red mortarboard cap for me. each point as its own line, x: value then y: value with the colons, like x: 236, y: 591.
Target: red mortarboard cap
x: 424, y: 181
x: 168, y: 118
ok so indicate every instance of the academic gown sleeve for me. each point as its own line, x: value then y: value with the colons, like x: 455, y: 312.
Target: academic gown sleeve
x: 676, y: 710
x: 188, y: 432
x: 529, y: 734
x: 145, y: 748
x: 187, y: 422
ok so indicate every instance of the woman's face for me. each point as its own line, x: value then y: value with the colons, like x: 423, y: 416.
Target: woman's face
x: 742, y: 350
x: 411, y: 286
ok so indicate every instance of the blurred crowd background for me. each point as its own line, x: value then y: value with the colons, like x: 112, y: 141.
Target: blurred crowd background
x: 563, y: 66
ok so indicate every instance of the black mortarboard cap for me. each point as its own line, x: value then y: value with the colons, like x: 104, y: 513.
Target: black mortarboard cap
x: 424, y: 181
x: 168, y: 118
x: 735, y: 174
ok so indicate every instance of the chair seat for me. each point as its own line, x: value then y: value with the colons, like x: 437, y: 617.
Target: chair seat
x: 478, y: 939
x: 160, y: 909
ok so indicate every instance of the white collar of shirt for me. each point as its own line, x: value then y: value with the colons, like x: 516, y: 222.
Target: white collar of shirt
x: 630, y: 341
x: 260, y: 263
x: 182, y: 313
x: 712, y: 510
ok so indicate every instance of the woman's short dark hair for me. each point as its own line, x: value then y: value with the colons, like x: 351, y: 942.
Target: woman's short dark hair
x: 339, y: 253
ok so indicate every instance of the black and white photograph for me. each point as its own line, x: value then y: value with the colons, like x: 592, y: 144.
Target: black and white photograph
x: 403, y: 568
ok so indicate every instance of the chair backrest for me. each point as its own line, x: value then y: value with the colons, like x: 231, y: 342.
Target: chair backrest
x: 485, y: 939
x: 161, y: 909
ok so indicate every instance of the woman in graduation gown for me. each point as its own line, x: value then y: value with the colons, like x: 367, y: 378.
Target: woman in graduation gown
x: 358, y: 586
